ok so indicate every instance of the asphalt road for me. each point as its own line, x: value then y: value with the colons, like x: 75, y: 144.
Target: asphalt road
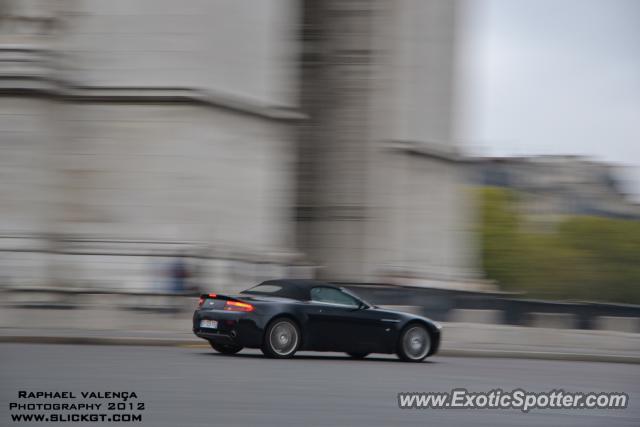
x: 197, y: 387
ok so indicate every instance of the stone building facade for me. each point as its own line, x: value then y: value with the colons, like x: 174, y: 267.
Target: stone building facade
x: 264, y: 139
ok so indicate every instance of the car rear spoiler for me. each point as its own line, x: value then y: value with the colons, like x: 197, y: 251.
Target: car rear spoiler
x: 232, y: 304
x: 213, y: 295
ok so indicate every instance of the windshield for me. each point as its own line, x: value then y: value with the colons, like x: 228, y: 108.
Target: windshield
x: 348, y: 292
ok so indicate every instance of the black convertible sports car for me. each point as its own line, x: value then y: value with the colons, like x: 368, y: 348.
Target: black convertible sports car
x: 284, y: 316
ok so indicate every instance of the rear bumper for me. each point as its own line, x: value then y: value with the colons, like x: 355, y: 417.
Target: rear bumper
x: 244, y: 329
x: 217, y: 338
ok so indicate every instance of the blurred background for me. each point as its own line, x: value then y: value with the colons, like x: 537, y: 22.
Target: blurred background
x: 475, y: 161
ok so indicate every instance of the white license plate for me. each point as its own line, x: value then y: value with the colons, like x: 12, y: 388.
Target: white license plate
x: 213, y: 324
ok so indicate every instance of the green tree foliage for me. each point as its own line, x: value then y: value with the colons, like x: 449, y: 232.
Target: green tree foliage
x: 580, y: 257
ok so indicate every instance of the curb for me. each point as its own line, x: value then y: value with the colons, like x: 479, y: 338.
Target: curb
x: 144, y: 342
x: 190, y: 343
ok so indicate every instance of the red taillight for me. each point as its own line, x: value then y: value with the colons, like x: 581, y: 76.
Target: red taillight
x: 203, y: 298
x: 238, y: 306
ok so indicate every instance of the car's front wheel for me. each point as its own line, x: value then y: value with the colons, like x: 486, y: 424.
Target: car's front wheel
x: 282, y: 339
x: 414, y: 344
x: 225, y: 348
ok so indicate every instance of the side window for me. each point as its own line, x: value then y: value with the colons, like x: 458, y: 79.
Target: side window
x: 332, y: 296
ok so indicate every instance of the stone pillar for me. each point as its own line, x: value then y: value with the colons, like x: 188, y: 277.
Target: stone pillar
x: 381, y: 180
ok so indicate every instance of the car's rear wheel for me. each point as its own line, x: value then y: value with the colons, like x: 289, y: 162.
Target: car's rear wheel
x: 225, y: 348
x: 414, y: 343
x: 358, y: 355
x: 282, y: 339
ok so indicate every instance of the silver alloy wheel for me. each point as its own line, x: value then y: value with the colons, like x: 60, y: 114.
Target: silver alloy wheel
x: 283, y: 338
x: 416, y: 343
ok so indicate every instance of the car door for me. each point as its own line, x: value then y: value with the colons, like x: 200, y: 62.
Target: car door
x: 338, y: 322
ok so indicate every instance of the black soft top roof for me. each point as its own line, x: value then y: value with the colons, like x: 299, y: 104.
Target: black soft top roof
x: 298, y: 289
